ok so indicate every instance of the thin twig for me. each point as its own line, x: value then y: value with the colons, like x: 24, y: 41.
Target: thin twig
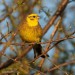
x: 64, y: 64
x: 58, y: 13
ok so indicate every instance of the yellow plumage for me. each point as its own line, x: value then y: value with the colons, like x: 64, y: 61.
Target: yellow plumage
x: 31, y: 31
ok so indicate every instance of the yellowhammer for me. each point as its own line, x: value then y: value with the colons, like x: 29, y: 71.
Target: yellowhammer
x: 31, y: 31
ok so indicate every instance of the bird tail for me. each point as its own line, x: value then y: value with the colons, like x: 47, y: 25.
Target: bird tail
x: 38, y: 50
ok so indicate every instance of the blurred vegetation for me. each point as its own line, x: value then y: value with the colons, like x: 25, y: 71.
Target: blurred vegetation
x: 18, y: 68
x: 12, y: 15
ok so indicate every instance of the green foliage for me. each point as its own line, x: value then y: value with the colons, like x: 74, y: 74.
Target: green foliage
x: 20, y: 68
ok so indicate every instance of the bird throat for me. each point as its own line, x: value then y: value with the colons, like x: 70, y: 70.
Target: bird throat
x: 33, y: 23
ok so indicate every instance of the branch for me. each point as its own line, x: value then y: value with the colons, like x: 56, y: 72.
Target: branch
x: 58, y: 13
x: 52, y: 47
x: 61, y: 65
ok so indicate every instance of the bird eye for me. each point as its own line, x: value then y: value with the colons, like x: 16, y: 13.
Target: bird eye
x: 34, y: 16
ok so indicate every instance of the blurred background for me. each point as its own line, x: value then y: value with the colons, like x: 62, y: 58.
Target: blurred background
x: 13, y: 12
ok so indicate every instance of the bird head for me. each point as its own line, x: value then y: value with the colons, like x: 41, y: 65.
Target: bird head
x: 32, y: 19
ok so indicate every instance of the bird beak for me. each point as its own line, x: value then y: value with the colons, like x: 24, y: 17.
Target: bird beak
x: 38, y: 17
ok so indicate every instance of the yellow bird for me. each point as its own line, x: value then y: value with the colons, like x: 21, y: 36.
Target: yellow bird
x: 31, y: 31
